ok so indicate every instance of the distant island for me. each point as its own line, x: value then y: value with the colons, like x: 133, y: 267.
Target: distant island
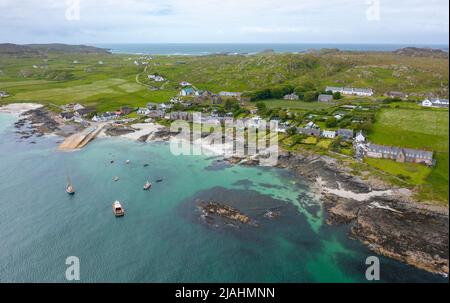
x: 39, y: 49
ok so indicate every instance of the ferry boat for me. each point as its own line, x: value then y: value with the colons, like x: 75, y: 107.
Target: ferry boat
x: 147, y: 185
x: 118, y: 209
x: 69, y: 188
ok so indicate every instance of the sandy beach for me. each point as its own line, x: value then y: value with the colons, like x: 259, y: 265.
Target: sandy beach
x: 19, y: 108
x: 143, y: 129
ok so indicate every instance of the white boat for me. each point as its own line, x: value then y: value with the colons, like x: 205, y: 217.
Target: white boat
x: 115, y: 179
x: 147, y: 185
x: 118, y: 209
x: 127, y: 162
x: 69, y: 188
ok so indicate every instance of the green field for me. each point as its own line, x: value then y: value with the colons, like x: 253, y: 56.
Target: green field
x: 416, y: 128
x: 297, y: 105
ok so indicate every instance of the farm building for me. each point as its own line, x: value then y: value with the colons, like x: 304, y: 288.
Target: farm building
x: 330, y: 134
x: 346, y: 134
x: 362, y: 92
x: 325, y: 98
x: 435, y: 103
x: 309, y: 131
x: 230, y: 95
x: 399, y: 154
x: 291, y: 97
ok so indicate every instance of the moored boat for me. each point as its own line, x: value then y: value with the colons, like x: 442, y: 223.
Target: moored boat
x: 69, y: 188
x: 147, y: 185
x: 118, y: 209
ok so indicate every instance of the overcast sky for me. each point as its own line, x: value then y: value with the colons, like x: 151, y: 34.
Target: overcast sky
x: 217, y: 21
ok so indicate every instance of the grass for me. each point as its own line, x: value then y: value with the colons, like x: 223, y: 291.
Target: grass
x: 413, y: 174
x: 302, y: 105
x: 417, y: 128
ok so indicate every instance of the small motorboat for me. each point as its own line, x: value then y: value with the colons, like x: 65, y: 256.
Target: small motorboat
x: 159, y: 180
x: 146, y: 165
x: 69, y: 188
x: 128, y: 162
x: 147, y: 185
x: 115, y: 179
x: 118, y: 209
x: 112, y: 162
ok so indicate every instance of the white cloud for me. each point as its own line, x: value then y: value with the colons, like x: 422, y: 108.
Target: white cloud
x: 225, y: 21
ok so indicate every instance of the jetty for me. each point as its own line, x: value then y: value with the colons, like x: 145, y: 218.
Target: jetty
x: 80, y: 140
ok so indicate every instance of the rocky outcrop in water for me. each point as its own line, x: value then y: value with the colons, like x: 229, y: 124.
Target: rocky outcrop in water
x: 212, y: 210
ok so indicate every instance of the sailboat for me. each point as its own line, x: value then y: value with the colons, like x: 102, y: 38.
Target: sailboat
x: 69, y: 188
x: 147, y: 185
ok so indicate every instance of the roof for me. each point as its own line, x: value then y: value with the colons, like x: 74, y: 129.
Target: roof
x: 411, y: 153
x: 188, y: 89
x: 345, y: 132
x: 333, y: 88
x: 324, y: 97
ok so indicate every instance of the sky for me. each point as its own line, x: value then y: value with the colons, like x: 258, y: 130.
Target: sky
x: 225, y: 21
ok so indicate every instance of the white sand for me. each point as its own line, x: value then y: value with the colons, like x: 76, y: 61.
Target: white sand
x: 18, y: 108
x: 143, y: 129
x: 352, y: 195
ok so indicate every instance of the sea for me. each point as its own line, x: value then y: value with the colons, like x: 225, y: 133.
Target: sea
x: 198, y: 49
x: 163, y: 236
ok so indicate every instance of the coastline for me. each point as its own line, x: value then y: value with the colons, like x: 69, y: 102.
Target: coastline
x: 384, y: 218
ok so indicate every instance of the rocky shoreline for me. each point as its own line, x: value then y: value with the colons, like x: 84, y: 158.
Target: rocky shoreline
x: 384, y: 218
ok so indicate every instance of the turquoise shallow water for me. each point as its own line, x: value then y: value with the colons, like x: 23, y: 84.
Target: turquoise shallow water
x: 162, y: 238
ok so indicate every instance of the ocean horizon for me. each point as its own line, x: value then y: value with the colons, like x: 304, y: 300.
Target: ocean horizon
x: 199, y: 49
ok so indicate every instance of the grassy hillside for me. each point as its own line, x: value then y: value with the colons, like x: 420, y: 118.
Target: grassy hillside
x: 44, y: 79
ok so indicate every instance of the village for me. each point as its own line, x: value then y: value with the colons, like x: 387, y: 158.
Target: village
x: 344, y: 126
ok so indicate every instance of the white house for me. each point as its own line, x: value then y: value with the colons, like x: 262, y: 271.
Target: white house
x: 4, y: 94
x: 360, y: 138
x: 156, y: 78
x: 143, y: 111
x: 330, y: 134
x: 78, y: 107
x: 311, y: 125
x: 184, y: 84
x: 187, y: 91
x: 230, y: 95
x: 435, y: 103
x: 362, y: 92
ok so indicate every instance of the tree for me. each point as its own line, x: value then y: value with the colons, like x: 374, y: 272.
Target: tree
x: 291, y: 131
x: 310, y: 96
x: 331, y: 122
x: 262, y: 108
x: 337, y: 96
x: 276, y: 93
x: 282, y: 114
x: 228, y: 105
x: 287, y: 89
